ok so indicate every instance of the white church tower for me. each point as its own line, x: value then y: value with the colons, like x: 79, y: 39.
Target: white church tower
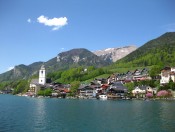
x: 42, y: 75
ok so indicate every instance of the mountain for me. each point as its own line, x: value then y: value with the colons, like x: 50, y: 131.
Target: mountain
x: 74, y: 58
x: 63, y: 61
x: 21, y: 72
x: 159, y: 51
x: 114, y: 54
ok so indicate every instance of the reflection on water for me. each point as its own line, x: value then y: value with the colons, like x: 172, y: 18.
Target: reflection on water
x: 63, y: 115
x: 39, y: 115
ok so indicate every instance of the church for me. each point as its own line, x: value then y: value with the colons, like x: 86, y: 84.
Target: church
x: 36, y: 84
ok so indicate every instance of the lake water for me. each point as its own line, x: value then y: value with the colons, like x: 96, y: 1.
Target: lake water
x: 24, y: 114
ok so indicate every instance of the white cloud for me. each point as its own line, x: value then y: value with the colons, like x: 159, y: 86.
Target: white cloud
x: 10, y: 68
x: 56, y: 23
x: 29, y: 20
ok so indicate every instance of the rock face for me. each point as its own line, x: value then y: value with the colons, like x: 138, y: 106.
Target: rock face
x: 81, y: 57
x: 114, y: 54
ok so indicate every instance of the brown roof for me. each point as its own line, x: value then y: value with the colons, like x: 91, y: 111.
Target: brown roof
x: 34, y: 81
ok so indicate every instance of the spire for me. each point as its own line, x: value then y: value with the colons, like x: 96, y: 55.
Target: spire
x: 43, y: 67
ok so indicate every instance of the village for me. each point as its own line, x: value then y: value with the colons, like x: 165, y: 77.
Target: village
x: 113, y: 87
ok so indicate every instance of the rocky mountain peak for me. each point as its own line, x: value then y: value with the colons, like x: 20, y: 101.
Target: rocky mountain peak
x: 114, y: 54
x: 74, y: 55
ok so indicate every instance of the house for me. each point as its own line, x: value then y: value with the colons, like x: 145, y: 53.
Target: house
x: 140, y: 91
x: 137, y: 74
x: 33, y: 86
x: 172, y: 74
x: 145, y: 74
x: 141, y: 74
x: 102, y: 89
x: 100, y: 81
x: 111, y: 78
x: 104, y: 86
x: 6, y: 91
x: 95, y: 84
x: 118, y: 89
x: 128, y: 76
x: 167, y: 73
x: 120, y: 77
x: 86, y: 91
x: 60, y: 89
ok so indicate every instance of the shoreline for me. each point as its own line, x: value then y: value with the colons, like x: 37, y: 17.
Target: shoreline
x: 94, y: 98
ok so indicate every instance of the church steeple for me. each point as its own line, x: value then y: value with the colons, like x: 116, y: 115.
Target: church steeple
x: 42, y: 75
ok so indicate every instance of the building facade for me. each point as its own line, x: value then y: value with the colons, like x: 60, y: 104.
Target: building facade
x: 42, y: 75
x: 167, y: 73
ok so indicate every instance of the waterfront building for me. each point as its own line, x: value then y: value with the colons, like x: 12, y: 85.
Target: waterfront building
x: 117, y: 89
x: 85, y: 91
x: 167, y: 73
x: 141, y: 91
x: 35, y: 84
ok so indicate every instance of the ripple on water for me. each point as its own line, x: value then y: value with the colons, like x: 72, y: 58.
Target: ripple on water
x: 43, y: 115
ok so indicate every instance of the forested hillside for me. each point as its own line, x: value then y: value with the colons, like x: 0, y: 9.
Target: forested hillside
x: 64, y: 61
x: 76, y: 74
x: 159, y: 51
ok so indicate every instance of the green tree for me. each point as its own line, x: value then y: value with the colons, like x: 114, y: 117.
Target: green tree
x: 21, y: 87
x: 130, y: 86
x: 171, y: 84
x: 48, y: 92
x: 74, y: 87
x: 45, y: 92
x: 155, y: 70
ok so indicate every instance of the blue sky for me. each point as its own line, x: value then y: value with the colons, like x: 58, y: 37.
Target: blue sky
x: 37, y: 30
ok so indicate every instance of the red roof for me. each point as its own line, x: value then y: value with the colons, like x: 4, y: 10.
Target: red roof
x: 104, y: 86
x: 64, y: 90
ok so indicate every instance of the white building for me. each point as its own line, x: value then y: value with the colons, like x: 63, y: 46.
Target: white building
x: 42, y: 75
x: 166, y: 74
x: 35, y: 83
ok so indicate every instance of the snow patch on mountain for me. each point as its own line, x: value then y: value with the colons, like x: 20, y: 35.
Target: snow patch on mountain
x: 114, y: 54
